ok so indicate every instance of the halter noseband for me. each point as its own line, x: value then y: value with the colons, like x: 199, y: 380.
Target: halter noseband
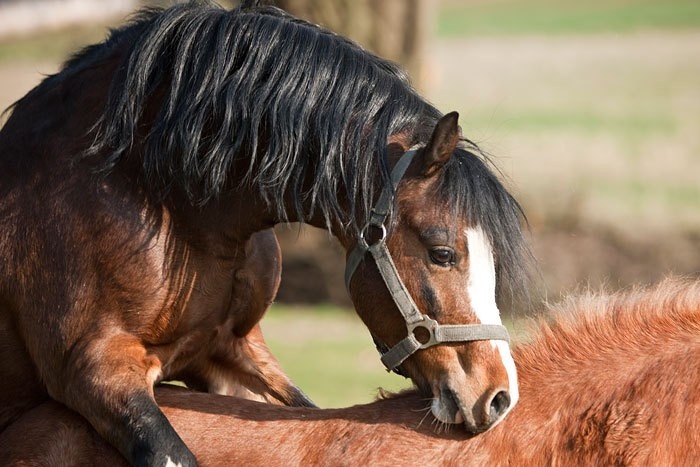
x: 438, y: 333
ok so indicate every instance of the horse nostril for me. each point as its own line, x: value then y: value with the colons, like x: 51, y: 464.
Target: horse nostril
x: 499, y: 405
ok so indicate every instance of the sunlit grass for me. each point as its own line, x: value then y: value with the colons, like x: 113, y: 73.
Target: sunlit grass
x: 577, y: 120
x: 506, y: 17
x: 329, y: 353
x: 55, y: 45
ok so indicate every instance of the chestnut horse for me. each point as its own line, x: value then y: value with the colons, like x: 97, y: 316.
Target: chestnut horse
x: 611, y: 381
x: 133, y: 181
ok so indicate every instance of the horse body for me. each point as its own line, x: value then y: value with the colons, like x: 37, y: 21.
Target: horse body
x: 612, y: 381
x: 167, y: 308
x: 137, y: 186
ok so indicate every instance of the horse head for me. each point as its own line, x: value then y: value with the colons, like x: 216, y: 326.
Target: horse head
x: 429, y: 295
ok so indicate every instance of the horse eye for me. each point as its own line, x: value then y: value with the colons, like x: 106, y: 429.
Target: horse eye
x: 442, y: 256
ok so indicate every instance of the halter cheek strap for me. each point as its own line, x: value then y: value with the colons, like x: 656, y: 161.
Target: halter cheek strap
x: 437, y: 333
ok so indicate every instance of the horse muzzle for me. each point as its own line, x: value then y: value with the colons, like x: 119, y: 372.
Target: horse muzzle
x: 449, y: 407
x: 476, y: 387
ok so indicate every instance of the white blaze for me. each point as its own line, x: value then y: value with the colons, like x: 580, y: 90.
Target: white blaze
x: 170, y: 463
x: 482, y: 295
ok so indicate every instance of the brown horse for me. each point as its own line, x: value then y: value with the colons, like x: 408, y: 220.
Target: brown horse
x: 611, y: 381
x: 132, y: 184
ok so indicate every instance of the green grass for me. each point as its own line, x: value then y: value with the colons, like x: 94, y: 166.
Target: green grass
x: 329, y: 353
x: 638, y: 194
x: 575, y: 119
x: 512, y: 17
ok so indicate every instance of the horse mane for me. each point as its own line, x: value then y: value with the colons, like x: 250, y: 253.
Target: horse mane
x: 254, y: 90
x: 591, y: 326
x: 203, y: 98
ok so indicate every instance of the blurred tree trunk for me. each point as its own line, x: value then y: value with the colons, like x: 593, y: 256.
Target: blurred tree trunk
x: 394, y: 29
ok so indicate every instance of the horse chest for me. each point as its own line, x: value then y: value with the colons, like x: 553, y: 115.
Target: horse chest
x: 206, y: 305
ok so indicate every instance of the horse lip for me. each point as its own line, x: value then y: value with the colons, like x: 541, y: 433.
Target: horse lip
x: 447, y: 408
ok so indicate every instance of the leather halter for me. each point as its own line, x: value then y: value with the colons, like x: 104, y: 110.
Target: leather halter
x: 438, y: 333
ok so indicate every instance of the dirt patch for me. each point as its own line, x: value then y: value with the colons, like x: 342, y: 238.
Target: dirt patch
x: 313, y: 266
x: 578, y: 259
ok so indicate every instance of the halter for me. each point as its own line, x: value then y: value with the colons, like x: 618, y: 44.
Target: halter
x: 415, y: 320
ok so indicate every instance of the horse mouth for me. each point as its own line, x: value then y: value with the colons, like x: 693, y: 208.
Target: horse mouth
x: 446, y: 409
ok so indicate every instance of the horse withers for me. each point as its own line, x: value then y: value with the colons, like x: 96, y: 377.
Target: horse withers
x: 611, y: 380
x: 133, y: 181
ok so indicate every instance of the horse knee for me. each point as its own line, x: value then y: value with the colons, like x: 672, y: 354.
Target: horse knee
x: 118, y: 363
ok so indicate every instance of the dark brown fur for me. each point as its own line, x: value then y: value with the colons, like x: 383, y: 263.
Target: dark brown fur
x: 612, y: 381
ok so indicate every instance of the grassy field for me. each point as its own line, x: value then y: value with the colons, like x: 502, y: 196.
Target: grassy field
x: 458, y: 18
x: 592, y: 111
x: 329, y: 353
x: 608, y: 123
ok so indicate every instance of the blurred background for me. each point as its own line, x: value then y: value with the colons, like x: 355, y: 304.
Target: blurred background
x: 590, y: 109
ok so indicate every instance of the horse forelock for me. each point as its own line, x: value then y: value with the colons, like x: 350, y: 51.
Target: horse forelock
x: 259, y: 91
x: 471, y: 190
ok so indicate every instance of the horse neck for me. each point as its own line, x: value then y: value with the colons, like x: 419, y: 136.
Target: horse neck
x: 342, y: 234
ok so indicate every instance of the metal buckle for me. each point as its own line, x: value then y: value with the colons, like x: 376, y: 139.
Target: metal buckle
x: 430, y: 325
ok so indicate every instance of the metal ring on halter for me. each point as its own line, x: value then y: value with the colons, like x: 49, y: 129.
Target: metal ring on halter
x: 430, y: 325
x: 367, y: 226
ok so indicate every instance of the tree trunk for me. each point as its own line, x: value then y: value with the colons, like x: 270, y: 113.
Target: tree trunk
x: 394, y: 29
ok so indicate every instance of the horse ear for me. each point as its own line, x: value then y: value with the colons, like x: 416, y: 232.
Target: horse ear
x: 442, y: 144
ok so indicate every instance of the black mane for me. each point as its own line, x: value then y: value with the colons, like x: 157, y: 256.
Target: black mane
x: 469, y: 187
x: 257, y: 91
x: 260, y: 85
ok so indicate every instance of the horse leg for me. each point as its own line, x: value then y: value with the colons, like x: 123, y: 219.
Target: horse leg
x: 109, y: 380
x: 52, y: 435
x: 239, y: 362
x: 245, y: 367
x: 270, y: 372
